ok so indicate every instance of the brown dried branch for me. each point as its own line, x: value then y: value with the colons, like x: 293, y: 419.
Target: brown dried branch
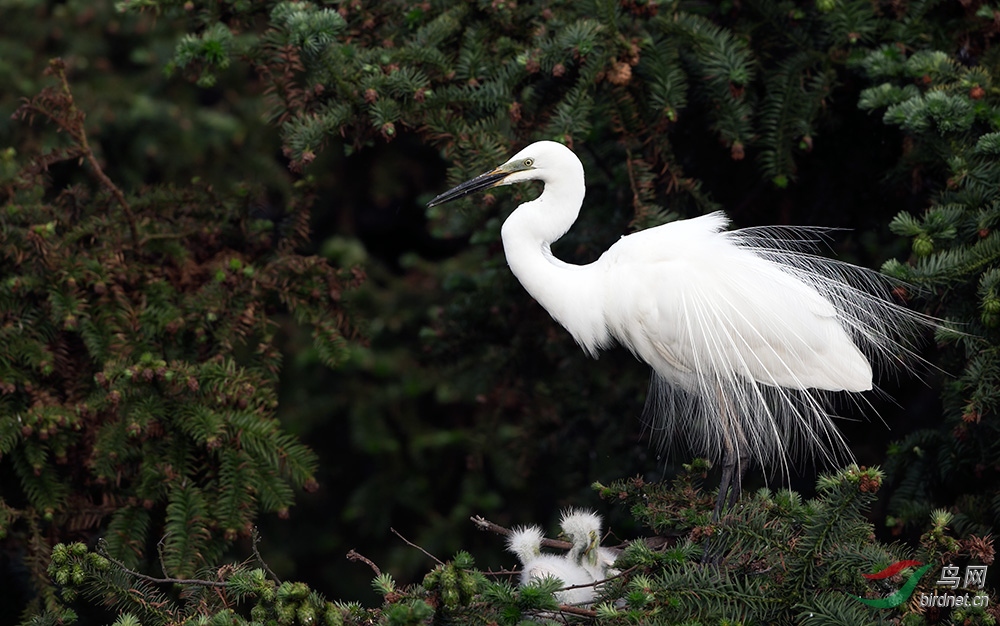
x: 575, y: 610
x: 103, y: 551
x: 636, y: 199
x: 484, y: 524
x: 354, y: 556
x: 60, y: 108
x: 413, y: 545
x: 502, y: 572
x: 255, y: 537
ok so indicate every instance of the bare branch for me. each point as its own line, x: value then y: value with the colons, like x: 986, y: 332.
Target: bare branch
x: 575, y: 610
x: 72, y: 123
x: 103, y: 551
x: 255, y: 535
x: 159, y: 553
x: 354, y: 556
x: 484, y: 524
x: 502, y: 572
x: 413, y: 545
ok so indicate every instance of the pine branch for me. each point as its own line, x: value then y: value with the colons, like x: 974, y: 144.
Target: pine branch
x: 62, y: 111
x: 102, y: 549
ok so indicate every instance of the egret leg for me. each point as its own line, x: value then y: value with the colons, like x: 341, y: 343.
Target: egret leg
x: 737, y: 487
x: 732, y: 469
x: 727, y: 477
x: 734, y: 465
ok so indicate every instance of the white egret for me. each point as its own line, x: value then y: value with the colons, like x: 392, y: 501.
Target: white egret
x: 526, y: 543
x: 748, y: 333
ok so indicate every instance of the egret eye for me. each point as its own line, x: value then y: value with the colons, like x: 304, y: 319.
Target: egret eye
x: 529, y: 162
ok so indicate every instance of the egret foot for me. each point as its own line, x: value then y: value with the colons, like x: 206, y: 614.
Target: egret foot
x: 734, y: 467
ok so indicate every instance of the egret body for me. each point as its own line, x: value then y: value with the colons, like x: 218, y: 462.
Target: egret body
x: 747, y: 332
x: 583, y: 566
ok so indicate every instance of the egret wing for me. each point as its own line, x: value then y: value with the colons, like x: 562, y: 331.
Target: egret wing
x: 701, y: 306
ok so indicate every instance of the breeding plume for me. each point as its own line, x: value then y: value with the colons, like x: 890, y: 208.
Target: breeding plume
x: 748, y: 332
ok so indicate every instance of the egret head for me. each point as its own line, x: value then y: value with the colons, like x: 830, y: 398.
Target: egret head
x: 580, y: 525
x: 525, y: 542
x: 538, y: 161
x: 583, y: 528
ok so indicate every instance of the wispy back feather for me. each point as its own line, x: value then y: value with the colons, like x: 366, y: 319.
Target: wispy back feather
x: 724, y: 408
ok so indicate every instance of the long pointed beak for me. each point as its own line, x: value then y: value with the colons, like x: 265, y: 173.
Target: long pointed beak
x: 483, y: 181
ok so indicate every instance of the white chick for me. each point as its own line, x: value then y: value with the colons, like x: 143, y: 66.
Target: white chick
x: 526, y: 543
x: 583, y: 528
x: 569, y: 573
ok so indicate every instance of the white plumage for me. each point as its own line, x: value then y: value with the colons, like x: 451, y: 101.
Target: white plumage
x: 747, y: 332
x: 583, y: 529
x: 570, y: 574
x: 586, y: 563
x: 526, y: 543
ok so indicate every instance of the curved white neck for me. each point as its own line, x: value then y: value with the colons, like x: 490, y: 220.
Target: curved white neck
x: 572, y: 294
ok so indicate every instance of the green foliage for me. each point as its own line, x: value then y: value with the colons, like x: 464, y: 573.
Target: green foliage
x: 776, y: 559
x: 474, y: 81
x: 211, y: 50
x: 792, y: 102
x: 94, y: 575
x: 951, y: 121
x: 151, y: 408
x: 138, y: 367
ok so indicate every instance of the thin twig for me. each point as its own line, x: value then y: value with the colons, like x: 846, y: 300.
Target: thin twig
x: 255, y: 537
x: 601, y: 582
x: 636, y: 202
x: 484, y: 524
x: 103, y: 550
x: 573, y: 610
x: 154, y: 236
x: 80, y: 136
x: 354, y: 556
x: 502, y: 572
x: 413, y: 545
x: 159, y: 553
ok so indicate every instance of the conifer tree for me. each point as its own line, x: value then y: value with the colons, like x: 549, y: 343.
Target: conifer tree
x: 780, y: 560
x: 948, y: 116
x: 137, y: 354
x: 676, y: 108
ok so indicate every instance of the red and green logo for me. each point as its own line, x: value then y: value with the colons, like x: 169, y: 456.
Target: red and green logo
x: 904, y: 592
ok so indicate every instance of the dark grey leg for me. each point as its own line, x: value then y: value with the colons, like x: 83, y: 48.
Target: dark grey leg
x: 729, y: 461
x: 737, y: 486
x: 734, y: 467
